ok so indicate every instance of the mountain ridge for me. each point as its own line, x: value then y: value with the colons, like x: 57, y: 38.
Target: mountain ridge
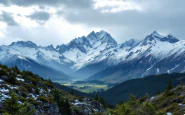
x: 87, y: 56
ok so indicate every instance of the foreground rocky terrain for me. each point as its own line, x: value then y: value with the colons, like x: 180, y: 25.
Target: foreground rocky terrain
x: 22, y: 93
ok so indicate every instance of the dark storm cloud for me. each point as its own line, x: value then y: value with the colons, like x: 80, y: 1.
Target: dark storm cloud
x: 166, y: 16
x: 8, y: 19
x: 69, y: 3
x: 41, y: 16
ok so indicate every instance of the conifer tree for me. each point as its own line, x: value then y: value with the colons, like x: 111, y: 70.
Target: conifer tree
x: 64, y: 107
x: 71, y: 92
x: 15, y: 108
x: 57, y: 96
x: 96, y: 97
x: 102, y: 101
x: 67, y: 107
x: 169, y: 86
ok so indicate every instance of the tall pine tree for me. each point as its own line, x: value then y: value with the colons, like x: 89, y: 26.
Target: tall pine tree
x: 169, y: 86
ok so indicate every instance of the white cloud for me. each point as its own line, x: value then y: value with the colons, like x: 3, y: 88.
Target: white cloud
x: 16, y: 10
x: 3, y: 25
x: 56, y: 31
x: 2, y: 34
x: 26, y: 22
x: 116, y: 5
x: 64, y: 32
x: 2, y: 29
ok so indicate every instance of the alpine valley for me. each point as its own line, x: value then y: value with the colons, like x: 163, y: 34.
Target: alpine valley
x: 98, y: 57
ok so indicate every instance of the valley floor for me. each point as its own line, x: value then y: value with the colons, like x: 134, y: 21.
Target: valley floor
x: 88, y: 87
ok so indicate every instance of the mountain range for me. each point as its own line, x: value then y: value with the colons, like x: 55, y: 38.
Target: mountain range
x: 98, y: 56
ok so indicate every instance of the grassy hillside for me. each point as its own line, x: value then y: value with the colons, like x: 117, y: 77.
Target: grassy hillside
x: 139, y: 87
x: 24, y: 93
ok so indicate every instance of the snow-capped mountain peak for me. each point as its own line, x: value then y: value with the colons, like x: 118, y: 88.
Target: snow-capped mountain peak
x: 102, y: 33
x: 86, y: 50
x: 156, y: 37
x: 93, y: 40
x: 50, y: 47
x: 80, y: 43
x: 24, y: 44
x: 106, y: 37
x: 129, y: 43
x: 172, y: 39
x: 150, y: 39
x: 92, y: 35
x: 156, y: 34
x: 61, y: 48
x: 101, y: 36
x: 169, y: 38
x: 78, y: 40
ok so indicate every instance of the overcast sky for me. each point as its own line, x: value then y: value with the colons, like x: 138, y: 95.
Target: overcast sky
x: 56, y: 22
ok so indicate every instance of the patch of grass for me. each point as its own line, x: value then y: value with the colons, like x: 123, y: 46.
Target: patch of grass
x: 29, y: 87
x: 43, y: 98
x: 22, y: 99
